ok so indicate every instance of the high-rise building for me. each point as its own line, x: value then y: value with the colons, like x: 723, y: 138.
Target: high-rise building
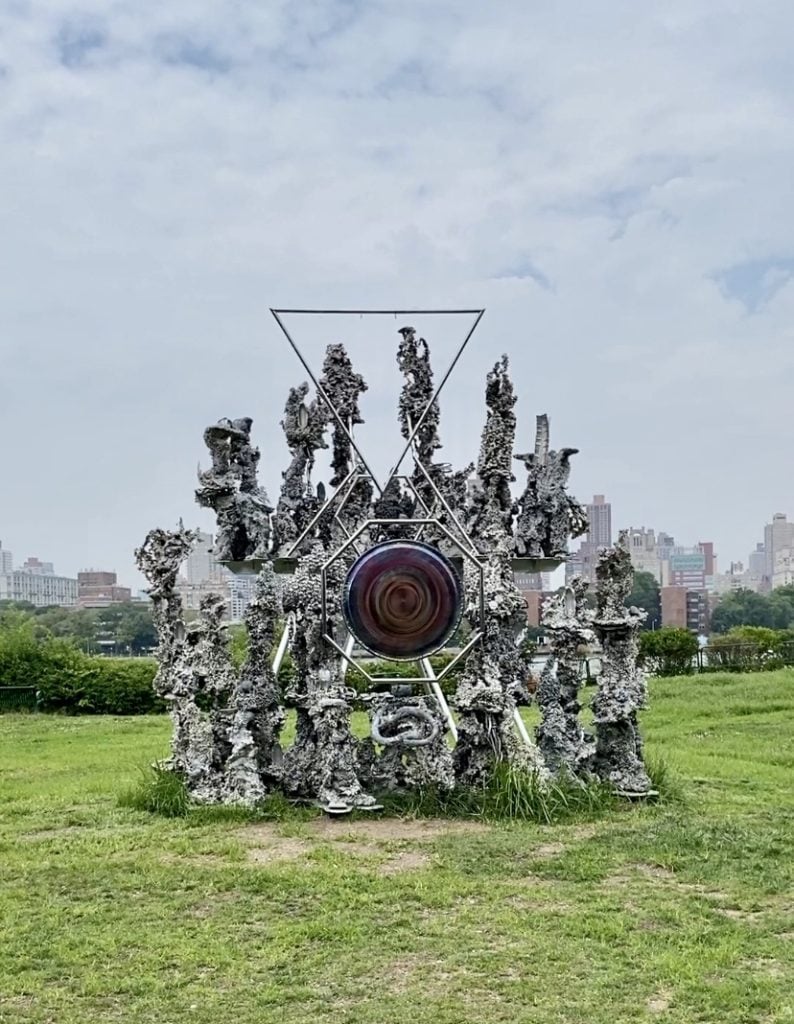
x: 756, y: 563
x: 687, y: 569
x: 6, y: 560
x: 778, y: 536
x: 240, y: 593
x: 534, y: 601
x: 783, y: 576
x: 710, y: 559
x: 203, y: 575
x: 100, y: 589
x: 644, y: 552
x: 599, y: 535
x: 599, y: 522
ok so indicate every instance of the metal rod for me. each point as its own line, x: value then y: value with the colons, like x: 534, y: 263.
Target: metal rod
x: 282, y: 645
x: 377, y: 312
x: 348, y: 652
x: 318, y: 516
x: 432, y: 401
x: 461, y: 654
x: 326, y: 399
x: 438, y: 693
x: 467, y: 546
x: 521, y: 728
x: 349, y: 659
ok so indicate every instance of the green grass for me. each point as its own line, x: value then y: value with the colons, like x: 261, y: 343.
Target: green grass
x: 678, y: 912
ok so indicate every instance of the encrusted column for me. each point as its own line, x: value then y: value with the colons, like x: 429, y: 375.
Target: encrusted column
x: 304, y: 428
x: 159, y: 559
x: 621, y: 685
x: 562, y: 741
x: 496, y: 669
x: 254, y: 765
x: 322, y: 763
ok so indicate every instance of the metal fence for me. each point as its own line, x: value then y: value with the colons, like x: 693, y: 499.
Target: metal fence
x: 18, y: 698
x: 743, y: 657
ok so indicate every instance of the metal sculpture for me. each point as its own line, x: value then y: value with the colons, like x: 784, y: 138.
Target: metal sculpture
x: 401, y: 569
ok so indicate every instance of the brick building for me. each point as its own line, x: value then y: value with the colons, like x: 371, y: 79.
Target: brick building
x: 100, y: 589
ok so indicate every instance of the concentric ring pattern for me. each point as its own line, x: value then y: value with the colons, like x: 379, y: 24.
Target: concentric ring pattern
x: 403, y: 600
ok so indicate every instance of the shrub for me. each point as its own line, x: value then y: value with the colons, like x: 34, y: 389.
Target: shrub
x: 751, y: 649
x: 669, y: 651
x: 68, y: 680
x: 102, y: 686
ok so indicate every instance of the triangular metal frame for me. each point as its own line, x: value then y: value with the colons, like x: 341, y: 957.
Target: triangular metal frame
x: 416, y: 427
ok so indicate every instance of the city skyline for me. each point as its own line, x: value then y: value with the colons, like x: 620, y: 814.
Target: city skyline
x: 778, y: 527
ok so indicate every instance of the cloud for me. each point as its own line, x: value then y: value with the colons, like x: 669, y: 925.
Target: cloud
x: 611, y: 181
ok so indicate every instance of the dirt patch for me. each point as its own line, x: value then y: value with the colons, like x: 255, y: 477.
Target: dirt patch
x: 206, y: 908
x: 654, y: 871
x: 665, y: 877
x: 659, y: 1002
x: 586, y: 831
x: 369, y: 838
x: 549, y: 850
x: 526, y: 905
x: 412, y: 969
x: 739, y: 915
x: 392, y: 829
x: 405, y: 860
x: 278, y: 848
x: 43, y: 835
x: 766, y: 965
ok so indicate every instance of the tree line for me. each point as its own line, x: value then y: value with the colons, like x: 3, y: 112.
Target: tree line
x: 738, y: 608
x: 119, y: 629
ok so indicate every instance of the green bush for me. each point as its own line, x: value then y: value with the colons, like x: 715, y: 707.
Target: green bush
x: 68, y: 680
x: 669, y: 651
x: 103, y: 686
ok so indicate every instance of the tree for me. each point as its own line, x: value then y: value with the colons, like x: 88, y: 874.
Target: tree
x: 781, y: 608
x: 128, y: 626
x: 741, y: 608
x: 646, y: 594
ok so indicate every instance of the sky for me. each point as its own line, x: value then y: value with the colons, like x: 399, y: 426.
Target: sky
x: 612, y: 182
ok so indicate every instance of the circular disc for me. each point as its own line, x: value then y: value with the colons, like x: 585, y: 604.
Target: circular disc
x: 403, y: 600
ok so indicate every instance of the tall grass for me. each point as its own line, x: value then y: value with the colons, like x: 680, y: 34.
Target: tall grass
x: 510, y: 793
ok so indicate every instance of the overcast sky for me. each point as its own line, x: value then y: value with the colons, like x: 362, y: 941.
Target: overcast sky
x: 611, y: 180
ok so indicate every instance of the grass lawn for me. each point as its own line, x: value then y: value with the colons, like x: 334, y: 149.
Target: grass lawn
x: 682, y: 912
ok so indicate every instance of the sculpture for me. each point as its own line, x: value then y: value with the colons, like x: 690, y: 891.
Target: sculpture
x: 231, y: 489
x: 547, y: 514
x: 496, y: 669
x: 304, y: 428
x: 562, y: 741
x: 397, y: 588
x: 621, y: 685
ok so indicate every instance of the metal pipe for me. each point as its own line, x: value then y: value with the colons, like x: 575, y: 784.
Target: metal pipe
x: 438, y: 693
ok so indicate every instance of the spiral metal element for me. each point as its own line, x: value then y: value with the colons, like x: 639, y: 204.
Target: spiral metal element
x: 415, y: 727
x: 403, y: 600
